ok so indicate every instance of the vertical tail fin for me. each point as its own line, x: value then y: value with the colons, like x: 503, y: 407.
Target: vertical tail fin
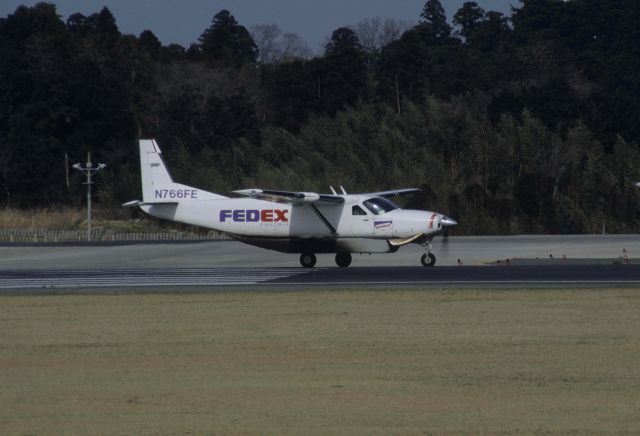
x: 155, y: 174
x: 158, y: 185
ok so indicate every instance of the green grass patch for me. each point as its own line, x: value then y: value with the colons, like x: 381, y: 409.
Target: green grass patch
x: 322, y: 362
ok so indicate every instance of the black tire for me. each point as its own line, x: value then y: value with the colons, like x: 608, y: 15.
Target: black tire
x: 428, y: 259
x: 308, y: 260
x: 343, y: 260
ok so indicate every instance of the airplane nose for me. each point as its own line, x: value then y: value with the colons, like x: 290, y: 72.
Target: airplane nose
x: 447, y: 222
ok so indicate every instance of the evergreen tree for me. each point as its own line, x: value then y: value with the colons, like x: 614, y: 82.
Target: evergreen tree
x: 524, y: 126
x: 342, y: 72
x: 149, y: 43
x: 434, y: 26
x: 468, y: 18
x: 227, y: 43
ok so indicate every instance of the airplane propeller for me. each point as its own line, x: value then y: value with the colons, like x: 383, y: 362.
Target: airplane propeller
x: 446, y: 224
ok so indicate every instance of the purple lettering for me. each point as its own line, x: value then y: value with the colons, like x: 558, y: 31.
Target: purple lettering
x: 253, y: 216
x: 238, y: 215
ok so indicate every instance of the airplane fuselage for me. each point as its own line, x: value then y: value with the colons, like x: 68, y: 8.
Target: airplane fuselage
x: 265, y: 223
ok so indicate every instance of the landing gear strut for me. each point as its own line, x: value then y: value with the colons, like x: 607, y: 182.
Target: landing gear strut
x: 308, y: 260
x: 343, y: 260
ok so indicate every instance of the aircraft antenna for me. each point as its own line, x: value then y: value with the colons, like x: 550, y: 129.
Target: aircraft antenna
x: 343, y: 191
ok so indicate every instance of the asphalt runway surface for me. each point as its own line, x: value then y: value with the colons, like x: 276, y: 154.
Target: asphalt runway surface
x: 534, y: 261
x: 282, y: 279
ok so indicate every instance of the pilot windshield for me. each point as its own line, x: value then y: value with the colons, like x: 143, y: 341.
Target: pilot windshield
x: 379, y: 205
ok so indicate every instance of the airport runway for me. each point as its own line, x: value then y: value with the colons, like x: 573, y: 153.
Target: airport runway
x: 216, y: 279
x: 215, y: 266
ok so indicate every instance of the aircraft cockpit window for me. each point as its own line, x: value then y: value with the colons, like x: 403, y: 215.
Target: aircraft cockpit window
x: 357, y: 210
x: 379, y: 205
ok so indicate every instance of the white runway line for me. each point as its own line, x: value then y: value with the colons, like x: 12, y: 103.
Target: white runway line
x: 142, y: 277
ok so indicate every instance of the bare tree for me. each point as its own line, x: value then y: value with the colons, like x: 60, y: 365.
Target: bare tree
x: 393, y: 29
x: 368, y: 31
x: 274, y: 46
x: 374, y: 34
x: 266, y: 37
x: 294, y: 47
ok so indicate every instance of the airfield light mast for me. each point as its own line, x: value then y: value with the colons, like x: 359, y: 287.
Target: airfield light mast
x: 88, y: 170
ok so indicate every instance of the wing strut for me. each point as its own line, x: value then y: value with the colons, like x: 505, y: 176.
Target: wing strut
x: 324, y: 219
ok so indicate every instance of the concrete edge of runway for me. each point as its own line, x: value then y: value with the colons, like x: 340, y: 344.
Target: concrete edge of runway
x: 296, y: 288
x: 571, y: 261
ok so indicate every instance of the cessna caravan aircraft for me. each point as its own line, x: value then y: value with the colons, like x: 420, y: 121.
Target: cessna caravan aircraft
x: 291, y: 222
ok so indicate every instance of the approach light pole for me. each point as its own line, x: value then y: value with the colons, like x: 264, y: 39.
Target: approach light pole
x: 88, y: 170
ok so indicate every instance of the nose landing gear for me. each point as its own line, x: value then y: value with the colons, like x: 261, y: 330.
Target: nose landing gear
x: 428, y: 259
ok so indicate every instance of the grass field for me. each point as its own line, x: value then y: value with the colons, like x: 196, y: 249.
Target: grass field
x: 343, y: 362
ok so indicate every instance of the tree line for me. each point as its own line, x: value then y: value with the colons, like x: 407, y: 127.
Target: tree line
x: 511, y: 124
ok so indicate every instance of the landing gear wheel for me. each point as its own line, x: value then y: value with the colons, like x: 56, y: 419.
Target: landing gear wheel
x: 428, y: 259
x: 343, y: 260
x: 308, y: 260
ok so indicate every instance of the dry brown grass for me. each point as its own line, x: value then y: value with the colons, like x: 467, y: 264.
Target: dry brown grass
x: 54, y: 219
x: 557, y: 361
x: 117, y: 220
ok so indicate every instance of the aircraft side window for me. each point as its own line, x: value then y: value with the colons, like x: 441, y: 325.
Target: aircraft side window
x: 357, y: 210
x: 379, y: 205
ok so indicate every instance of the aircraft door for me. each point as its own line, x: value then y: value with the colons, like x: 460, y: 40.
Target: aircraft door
x: 361, y: 221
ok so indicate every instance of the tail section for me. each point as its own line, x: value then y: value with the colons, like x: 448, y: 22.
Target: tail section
x: 158, y: 185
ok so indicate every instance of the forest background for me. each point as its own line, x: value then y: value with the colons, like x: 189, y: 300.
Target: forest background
x: 520, y: 124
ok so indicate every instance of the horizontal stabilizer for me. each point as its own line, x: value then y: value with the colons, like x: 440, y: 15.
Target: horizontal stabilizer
x: 136, y: 203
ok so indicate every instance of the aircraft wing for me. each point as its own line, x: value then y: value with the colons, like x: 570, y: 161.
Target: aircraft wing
x: 291, y: 197
x: 394, y: 192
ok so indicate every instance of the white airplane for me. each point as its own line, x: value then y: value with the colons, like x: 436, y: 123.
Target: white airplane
x: 291, y: 222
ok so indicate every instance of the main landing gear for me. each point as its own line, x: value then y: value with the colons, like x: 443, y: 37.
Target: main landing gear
x: 308, y: 260
x: 343, y: 260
